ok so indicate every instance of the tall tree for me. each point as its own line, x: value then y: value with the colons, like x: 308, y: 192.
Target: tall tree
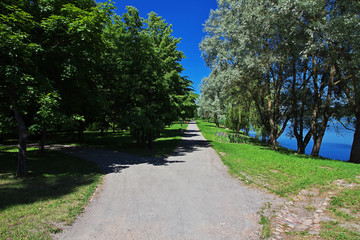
x: 43, y: 45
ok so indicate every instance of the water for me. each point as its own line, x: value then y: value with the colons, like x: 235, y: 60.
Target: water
x: 336, y: 143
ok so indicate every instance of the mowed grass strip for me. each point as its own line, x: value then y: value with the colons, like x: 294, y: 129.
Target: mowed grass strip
x: 55, y: 191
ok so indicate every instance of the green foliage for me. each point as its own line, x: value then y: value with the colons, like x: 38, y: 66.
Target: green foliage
x: 146, y: 87
x: 231, y: 137
x: 283, y: 61
x: 61, y: 60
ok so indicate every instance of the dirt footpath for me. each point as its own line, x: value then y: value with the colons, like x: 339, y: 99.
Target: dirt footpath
x: 188, y: 195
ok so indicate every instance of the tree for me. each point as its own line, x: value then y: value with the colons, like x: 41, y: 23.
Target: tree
x: 146, y: 87
x: 244, y: 42
x: 296, y: 60
x: 37, y: 38
x: 18, y: 84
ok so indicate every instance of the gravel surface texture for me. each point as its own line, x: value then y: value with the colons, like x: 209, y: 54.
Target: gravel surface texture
x: 188, y: 195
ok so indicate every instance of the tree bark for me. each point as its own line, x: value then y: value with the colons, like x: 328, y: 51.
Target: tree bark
x: 355, y: 149
x: 301, y: 144
x: 150, y: 143
x: 22, y: 160
x: 42, y: 140
x: 216, y: 120
x: 319, y: 135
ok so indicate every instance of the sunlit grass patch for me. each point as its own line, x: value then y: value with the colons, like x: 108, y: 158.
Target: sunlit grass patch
x: 282, y: 172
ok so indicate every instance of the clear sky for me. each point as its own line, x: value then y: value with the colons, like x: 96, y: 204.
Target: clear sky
x: 187, y: 18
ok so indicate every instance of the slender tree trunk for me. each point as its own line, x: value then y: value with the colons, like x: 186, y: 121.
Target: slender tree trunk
x: 143, y: 136
x: 302, y: 143
x: 318, y: 137
x: 150, y: 143
x: 80, y: 133
x: 216, y: 120
x: 317, y: 144
x: 22, y: 160
x: 355, y: 149
x: 273, y: 133
x: 42, y: 140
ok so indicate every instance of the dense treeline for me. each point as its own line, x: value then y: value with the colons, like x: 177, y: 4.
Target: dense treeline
x: 68, y: 64
x: 276, y: 63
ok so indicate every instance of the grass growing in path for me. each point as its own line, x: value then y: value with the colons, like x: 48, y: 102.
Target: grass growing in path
x: 56, y: 190
x: 286, y: 174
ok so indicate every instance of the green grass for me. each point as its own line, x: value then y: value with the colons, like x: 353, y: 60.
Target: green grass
x: 282, y: 172
x: 123, y: 142
x: 285, y: 173
x: 58, y: 186
x: 55, y: 191
x: 333, y: 230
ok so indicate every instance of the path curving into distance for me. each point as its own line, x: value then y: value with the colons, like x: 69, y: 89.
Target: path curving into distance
x: 189, y: 195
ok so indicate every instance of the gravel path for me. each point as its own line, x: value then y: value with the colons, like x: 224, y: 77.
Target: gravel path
x: 188, y: 195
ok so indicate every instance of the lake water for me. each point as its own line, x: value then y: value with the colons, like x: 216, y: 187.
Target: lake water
x: 336, y: 143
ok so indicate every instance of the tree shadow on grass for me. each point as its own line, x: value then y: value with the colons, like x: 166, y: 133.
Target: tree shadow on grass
x: 51, y: 175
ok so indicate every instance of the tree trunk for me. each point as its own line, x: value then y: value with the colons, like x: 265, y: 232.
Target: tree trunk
x: 317, y: 144
x: 273, y: 143
x: 355, y: 149
x: 302, y: 143
x: 273, y: 134
x: 150, y: 143
x: 42, y: 140
x: 81, y: 132
x: 143, y: 136
x: 319, y: 135
x: 22, y: 160
x: 216, y: 120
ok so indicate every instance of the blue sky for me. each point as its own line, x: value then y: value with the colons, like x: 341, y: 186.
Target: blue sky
x: 187, y: 18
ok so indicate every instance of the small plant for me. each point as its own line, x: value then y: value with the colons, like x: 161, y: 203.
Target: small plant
x: 221, y: 137
x: 229, y: 137
x: 236, y: 138
x: 310, y: 208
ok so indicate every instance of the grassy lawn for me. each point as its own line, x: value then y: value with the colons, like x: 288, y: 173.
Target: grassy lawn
x: 58, y: 186
x: 286, y: 174
x: 54, y: 193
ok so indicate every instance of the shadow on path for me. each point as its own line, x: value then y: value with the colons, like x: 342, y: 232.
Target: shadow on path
x: 114, y: 162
